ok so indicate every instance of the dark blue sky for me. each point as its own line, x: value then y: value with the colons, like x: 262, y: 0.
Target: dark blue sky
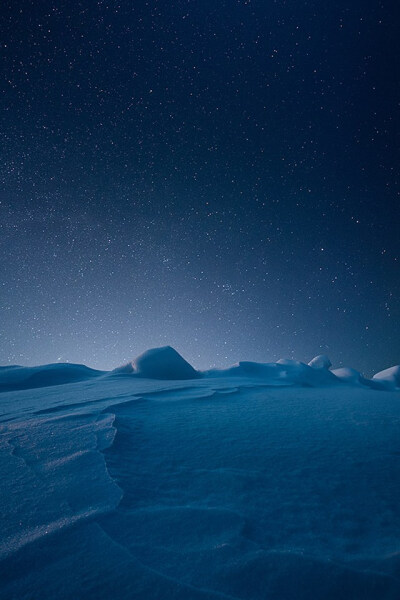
x: 222, y: 177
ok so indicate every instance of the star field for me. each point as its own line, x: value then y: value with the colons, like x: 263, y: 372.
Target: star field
x: 221, y: 177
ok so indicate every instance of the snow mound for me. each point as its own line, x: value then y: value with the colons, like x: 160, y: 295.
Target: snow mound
x: 316, y: 373
x: 284, y: 372
x: 269, y: 372
x: 165, y: 363
x: 352, y: 377
x: 348, y: 375
x: 23, y: 378
x: 389, y: 377
x: 320, y: 362
x: 160, y: 363
x: 301, y: 374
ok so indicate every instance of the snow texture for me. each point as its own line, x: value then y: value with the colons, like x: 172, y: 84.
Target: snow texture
x: 257, y: 482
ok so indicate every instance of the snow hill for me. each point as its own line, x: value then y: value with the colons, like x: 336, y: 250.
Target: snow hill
x: 276, y: 481
x: 160, y: 363
x: 167, y: 364
x: 22, y: 378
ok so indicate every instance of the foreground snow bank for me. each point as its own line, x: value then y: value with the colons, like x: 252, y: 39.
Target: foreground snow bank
x: 215, y: 488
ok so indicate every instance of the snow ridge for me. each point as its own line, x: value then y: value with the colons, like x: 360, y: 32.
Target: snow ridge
x: 165, y: 363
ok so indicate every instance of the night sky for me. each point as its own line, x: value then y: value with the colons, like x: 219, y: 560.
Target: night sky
x: 219, y: 176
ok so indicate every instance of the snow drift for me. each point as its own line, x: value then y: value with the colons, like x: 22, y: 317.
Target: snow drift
x: 389, y: 377
x: 166, y: 363
x: 22, y: 378
x: 160, y: 363
x: 316, y: 373
x: 284, y: 372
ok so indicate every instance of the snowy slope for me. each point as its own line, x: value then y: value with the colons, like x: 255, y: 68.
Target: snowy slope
x: 23, y: 378
x: 246, y: 485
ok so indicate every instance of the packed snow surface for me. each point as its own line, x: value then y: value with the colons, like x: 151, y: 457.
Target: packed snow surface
x: 275, y: 481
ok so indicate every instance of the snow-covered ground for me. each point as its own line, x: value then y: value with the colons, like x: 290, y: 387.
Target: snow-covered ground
x: 277, y: 481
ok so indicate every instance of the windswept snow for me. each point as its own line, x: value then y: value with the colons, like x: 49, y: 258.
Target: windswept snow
x: 212, y: 488
x: 276, y: 480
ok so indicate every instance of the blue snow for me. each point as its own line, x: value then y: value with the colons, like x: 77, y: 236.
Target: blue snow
x: 275, y: 481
